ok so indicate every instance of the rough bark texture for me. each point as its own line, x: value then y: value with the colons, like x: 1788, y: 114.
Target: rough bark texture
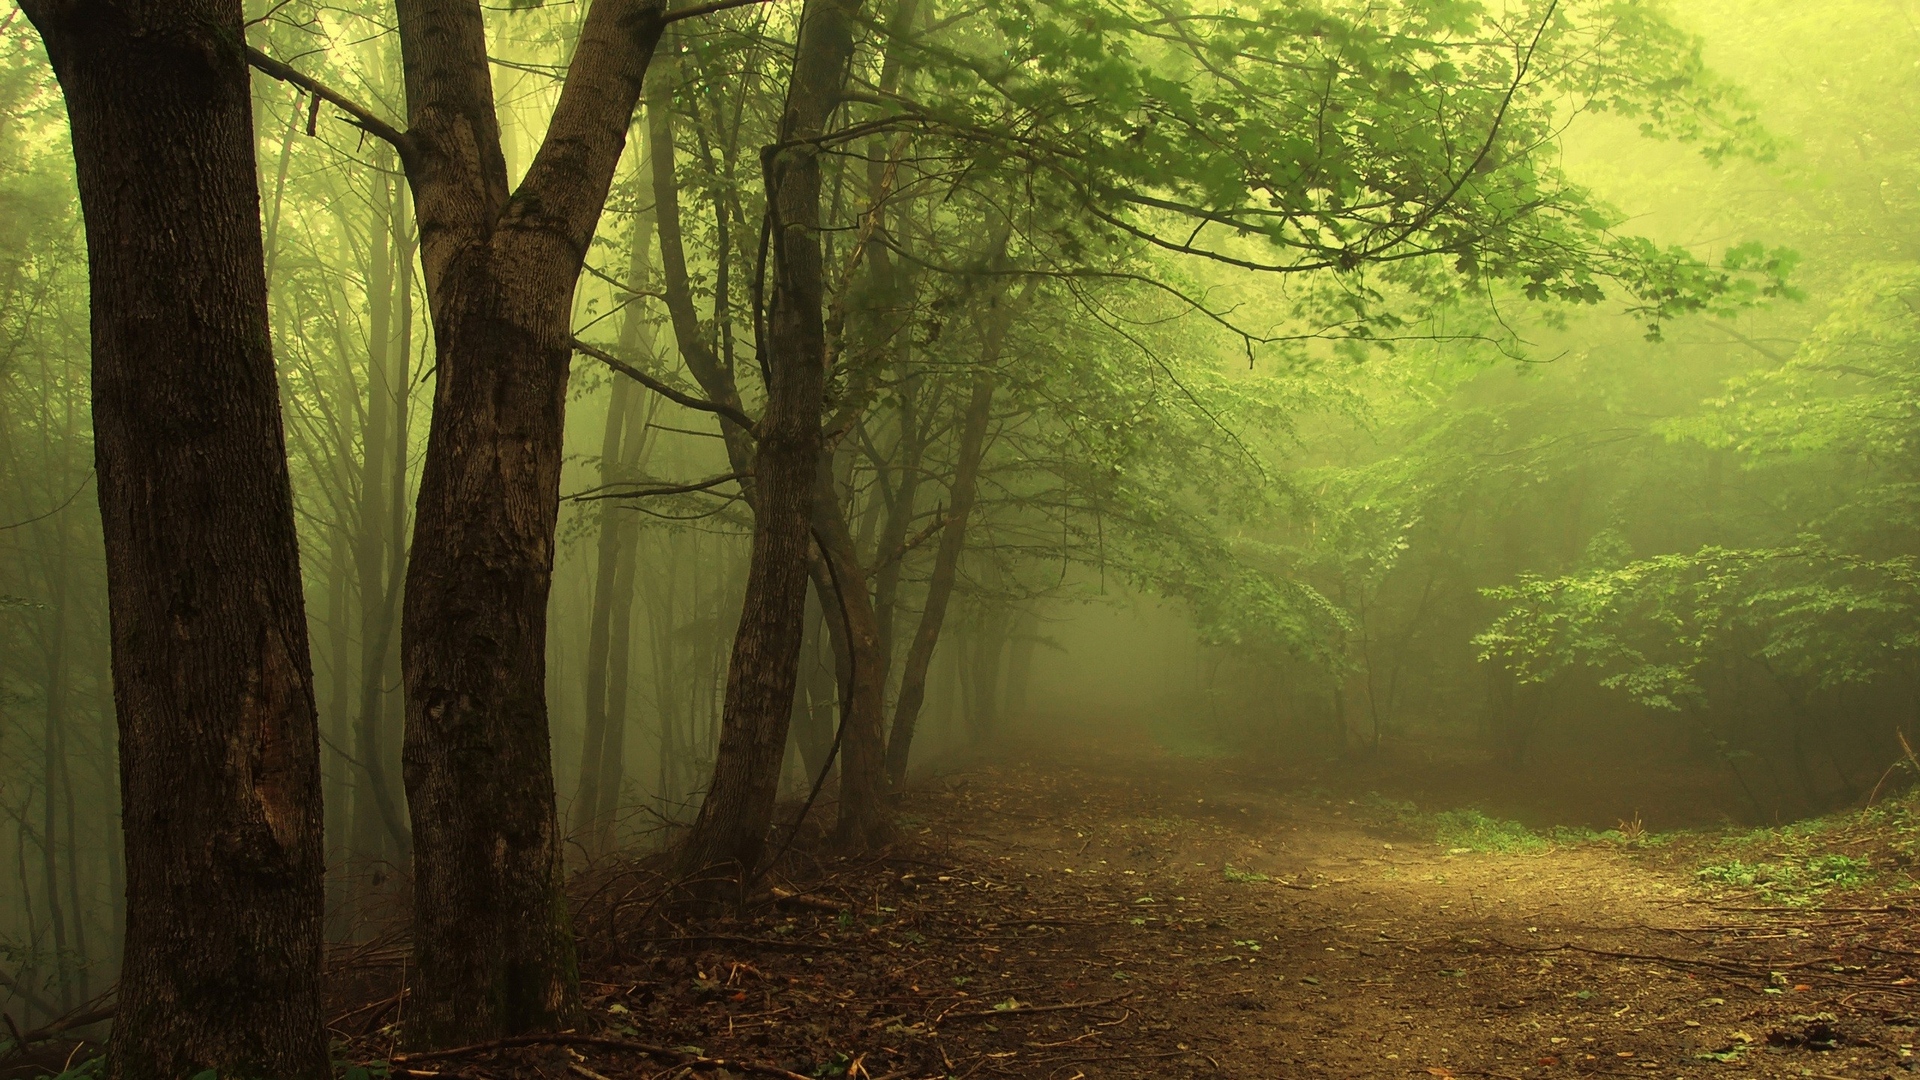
x: 492, y: 945
x: 219, y: 759
x: 732, y: 826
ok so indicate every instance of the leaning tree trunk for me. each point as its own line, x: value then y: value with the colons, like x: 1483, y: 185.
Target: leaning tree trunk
x: 732, y: 826
x: 492, y: 943
x: 213, y: 687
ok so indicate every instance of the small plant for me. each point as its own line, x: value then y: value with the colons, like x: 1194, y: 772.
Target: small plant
x: 1633, y: 831
x: 1474, y: 831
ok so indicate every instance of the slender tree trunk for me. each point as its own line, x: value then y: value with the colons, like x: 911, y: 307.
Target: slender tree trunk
x: 586, y: 800
x: 213, y: 686
x: 613, y: 746
x: 989, y: 650
x: 55, y: 683
x: 733, y: 821
x: 863, y: 674
x: 609, y: 631
x: 946, y: 561
x: 377, y: 828
x: 1022, y: 641
x: 492, y: 942
x: 813, y: 701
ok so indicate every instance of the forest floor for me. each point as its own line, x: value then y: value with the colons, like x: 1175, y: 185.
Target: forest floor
x: 1100, y: 913
x: 1088, y: 911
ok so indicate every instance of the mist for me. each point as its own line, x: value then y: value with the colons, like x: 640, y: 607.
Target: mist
x: 782, y: 537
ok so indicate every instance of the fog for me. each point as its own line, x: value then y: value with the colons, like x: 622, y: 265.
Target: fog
x: 1537, y: 441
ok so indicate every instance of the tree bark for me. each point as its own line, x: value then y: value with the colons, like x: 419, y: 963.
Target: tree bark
x: 213, y: 688
x: 492, y: 941
x: 732, y: 826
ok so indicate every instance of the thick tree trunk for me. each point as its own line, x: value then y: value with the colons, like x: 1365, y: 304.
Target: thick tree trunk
x: 219, y: 746
x: 492, y: 941
x: 733, y: 821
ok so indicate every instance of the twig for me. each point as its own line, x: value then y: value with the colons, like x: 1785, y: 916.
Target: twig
x: 627, y: 1045
x: 1022, y: 1010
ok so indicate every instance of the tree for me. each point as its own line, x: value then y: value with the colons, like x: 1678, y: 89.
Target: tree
x: 212, y: 683
x: 491, y: 939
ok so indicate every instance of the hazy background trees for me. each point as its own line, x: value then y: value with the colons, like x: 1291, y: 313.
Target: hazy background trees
x: 1329, y: 528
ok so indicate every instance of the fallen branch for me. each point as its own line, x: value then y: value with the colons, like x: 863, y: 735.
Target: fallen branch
x: 683, y: 1060
x: 1022, y: 1010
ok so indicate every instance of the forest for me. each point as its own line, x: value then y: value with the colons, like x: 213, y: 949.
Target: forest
x: 911, y: 539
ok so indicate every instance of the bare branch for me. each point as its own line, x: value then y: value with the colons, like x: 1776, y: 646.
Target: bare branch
x: 678, y: 397
x: 616, y: 491
x: 362, y: 117
x: 698, y: 10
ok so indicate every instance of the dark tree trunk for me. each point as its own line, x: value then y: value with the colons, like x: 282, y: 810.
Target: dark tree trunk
x: 862, y: 667
x: 814, y: 699
x: 219, y: 744
x: 733, y: 821
x: 492, y: 943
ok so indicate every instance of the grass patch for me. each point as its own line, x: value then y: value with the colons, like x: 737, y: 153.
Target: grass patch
x: 1792, y: 880
x: 1475, y: 831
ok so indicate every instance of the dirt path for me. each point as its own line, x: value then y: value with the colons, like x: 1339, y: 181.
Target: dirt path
x: 1102, y: 915
x: 1367, y: 954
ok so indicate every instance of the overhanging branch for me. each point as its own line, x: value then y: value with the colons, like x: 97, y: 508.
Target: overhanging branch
x: 362, y: 117
x: 678, y: 397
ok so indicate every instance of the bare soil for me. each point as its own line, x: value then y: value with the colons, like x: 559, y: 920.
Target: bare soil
x: 1088, y: 913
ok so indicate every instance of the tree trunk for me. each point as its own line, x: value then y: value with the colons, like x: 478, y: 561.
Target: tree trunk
x: 863, y: 674
x: 609, y: 632
x: 377, y: 828
x: 586, y: 800
x: 814, y: 699
x: 213, y: 687
x: 493, y: 947
x: 733, y: 821
x: 953, y: 539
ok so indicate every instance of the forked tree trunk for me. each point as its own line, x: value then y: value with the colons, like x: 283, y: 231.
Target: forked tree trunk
x: 492, y: 943
x: 732, y: 827
x: 219, y: 745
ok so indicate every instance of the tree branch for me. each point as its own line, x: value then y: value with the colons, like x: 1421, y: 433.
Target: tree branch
x: 678, y: 397
x: 698, y: 10
x: 363, y: 118
x: 594, y: 494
